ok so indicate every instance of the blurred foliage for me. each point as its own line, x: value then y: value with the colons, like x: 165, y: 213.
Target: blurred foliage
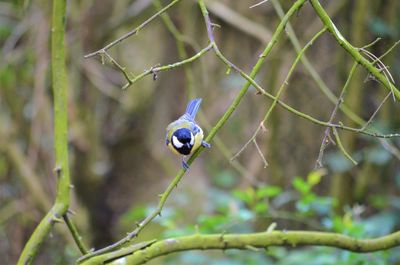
x: 240, y: 211
x: 119, y: 161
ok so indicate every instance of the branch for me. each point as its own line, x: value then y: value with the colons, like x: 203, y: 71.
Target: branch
x: 296, y: 6
x: 75, y: 234
x: 275, y: 37
x: 136, y: 30
x: 280, y: 91
x: 123, y: 252
x: 326, y: 139
x: 304, y: 115
x: 155, y: 70
x: 180, y: 40
x: 321, y: 84
x: 239, y: 21
x: 59, y: 79
x: 262, y: 240
x: 354, y: 52
x: 341, y: 147
x: 313, y: 72
x: 250, y: 80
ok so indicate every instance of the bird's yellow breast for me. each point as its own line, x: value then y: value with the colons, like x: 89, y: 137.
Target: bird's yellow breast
x: 172, y: 148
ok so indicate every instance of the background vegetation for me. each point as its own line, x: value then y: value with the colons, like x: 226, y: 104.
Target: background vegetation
x: 118, y: 160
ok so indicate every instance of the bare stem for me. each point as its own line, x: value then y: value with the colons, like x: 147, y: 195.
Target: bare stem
x: 341, y: 147
x: 325, y: 140
x: 136, y: 30
x: 75, y: 234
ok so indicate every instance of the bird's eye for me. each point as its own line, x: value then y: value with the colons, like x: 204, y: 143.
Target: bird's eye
x: 176, y: 142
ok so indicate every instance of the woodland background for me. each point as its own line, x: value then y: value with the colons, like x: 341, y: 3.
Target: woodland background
x: 119, y: 162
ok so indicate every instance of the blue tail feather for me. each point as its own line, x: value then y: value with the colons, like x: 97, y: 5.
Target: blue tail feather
x: 193, y: 107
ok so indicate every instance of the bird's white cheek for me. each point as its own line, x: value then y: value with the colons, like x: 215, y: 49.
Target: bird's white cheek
x: 191, y: 139
x: 176, y: 142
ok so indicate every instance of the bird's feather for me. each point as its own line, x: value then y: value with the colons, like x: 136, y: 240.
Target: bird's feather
x: 192, y: 109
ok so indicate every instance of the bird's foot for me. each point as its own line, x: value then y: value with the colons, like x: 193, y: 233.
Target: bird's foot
x: 205, y: 144
x: 185, y: 166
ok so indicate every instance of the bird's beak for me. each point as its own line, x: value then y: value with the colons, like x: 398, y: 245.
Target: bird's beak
x: 187, y: 145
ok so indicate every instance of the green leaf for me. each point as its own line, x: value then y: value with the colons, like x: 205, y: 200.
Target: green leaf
x: 314, y: 177
x: 268, y: 191
x: 300, y: 185
x: 261, y: 207
x: 245, y: 196
x: 211, y: 223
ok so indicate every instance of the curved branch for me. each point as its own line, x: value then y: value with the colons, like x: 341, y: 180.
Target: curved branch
x: 354, y: 52
x: 262, y: 240
x: 75, y: 234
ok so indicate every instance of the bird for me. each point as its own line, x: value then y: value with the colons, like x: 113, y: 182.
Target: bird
x: 184, y: 136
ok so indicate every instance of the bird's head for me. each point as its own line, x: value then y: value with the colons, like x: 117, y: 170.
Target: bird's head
x: 183, y: 140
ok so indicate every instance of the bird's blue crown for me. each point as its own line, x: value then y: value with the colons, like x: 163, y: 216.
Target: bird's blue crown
x: 183, y: 135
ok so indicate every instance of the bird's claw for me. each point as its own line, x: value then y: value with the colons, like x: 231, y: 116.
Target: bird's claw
x: 205, y: 144
x: 185, y: 166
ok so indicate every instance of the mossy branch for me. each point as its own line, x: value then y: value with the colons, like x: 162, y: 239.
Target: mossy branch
x: 264, y: 240
x: 354, y: 52
x: 59, y: 80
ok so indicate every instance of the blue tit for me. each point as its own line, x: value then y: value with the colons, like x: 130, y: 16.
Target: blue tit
x: 184, y: 136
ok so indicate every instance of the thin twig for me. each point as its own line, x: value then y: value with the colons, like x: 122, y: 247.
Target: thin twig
x: 383, y: 68
x: 354, y: 52
x: 375, y: 112
x: 325, y: 140
x: 390, y: 148
x: 239, y: 21
x: 372, y: 43
x: 341, y: 147
x: 136, y: 30
x: 120, y: 67
x: 302, y: 114
x: 260, y: 153
x: 75, y: 234
x: 155, y: 70
x: 313, y: 72
x: 388, y: 51
x: 258, y: 4
x: 280, y: 91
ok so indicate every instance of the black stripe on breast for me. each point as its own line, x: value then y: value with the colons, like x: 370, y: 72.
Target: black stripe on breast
x: 184, y: 150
